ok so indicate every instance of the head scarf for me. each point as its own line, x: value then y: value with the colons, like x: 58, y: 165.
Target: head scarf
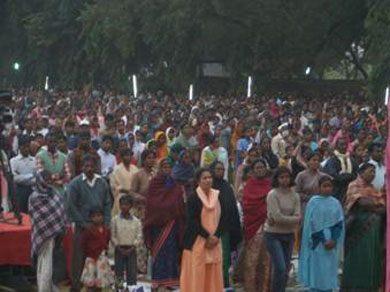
x: 162, y: 150
x: 254, y: 205
x: 169, y: 140
x: 176, y: 147
x: 164, y: 207
x: 182, y: 172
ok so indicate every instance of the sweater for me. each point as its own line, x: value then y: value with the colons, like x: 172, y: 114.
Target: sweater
x: 84, y: 197
x: 193, y: 226
x: 283, y: 211
x: 94, y: 241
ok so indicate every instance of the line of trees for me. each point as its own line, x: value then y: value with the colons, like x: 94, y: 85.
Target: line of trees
x: 104, y: 41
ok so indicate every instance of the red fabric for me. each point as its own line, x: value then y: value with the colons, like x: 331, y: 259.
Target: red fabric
x: 204, y: 135
x: 94, y: 241
x: 15, y: 242
x: 254, y: 205
x: 164, y: 204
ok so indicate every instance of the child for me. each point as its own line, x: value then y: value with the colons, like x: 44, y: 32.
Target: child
x: 97, y: 273
x: 126, y: 231
x: 322, y: 240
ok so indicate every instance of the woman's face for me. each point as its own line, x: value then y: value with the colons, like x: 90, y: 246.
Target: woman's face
x: 187, y: 157
x: 150, y: 160
x: 314, y: 163
x: 368, y: 175
x: 326, y: 188
x: 171, y: 134
x: 206, y: 180
x: 166, y: 169
x: 284, y: 180
x: 260, y: 170
x: 219, y: 171
x: 360, y: 151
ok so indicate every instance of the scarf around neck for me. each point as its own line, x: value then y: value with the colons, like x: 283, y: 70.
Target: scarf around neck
x: 345, y: 162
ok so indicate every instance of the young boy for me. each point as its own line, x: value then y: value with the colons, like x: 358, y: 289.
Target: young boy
x: 126, y: 235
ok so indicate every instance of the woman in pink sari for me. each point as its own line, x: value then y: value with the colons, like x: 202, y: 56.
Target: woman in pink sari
x: 201, y: 269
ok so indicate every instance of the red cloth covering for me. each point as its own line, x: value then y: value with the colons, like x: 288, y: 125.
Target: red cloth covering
x: 15, y: 243
x: 94, y: 241
x: 164, y: 203
x: 254, y: 205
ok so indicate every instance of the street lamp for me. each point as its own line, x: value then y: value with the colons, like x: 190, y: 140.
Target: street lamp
x: 16, y: 66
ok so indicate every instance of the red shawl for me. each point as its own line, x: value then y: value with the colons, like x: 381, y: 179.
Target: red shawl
x: 164, y: 203
x: 254, y: 205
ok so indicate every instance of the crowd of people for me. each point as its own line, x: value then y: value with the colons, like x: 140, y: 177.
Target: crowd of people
x: 203, y: 194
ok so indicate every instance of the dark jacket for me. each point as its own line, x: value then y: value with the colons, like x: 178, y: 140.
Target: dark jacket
x: 193, y: 226
x: 341, y: 181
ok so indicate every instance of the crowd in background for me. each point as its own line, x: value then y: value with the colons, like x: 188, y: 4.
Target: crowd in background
x: 214, y: 192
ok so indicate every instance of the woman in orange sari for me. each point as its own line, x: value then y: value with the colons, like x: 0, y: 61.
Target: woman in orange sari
x: 201, y: 269
x: 161, y: 143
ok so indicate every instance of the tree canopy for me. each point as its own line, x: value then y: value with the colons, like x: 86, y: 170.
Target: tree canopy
x: 165, y: 42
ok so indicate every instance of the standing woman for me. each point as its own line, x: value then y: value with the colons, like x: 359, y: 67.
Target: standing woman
x: 201, y: 269
x: 257, y: 261
x: 232, y: 236
x: 164, y: 226
x: 364, y: 249
x: 283, y: 216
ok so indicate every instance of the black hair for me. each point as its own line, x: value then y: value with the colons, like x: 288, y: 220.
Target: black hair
x: 278, y: 172
x: 126, y: 199
x: 145, y: 154
x: 373, y: 146
x: 107, y: 137
x: 246, y: 172
x: 85, y: 134
x: 24, y: 139
x: 200, y: 171
x: 324, y: 179
x: 212, y: 139
x: 87, y: 158
x: 96, y: 211
x: 363, y: 167
x: 125, y: 151
x: 313, y: 154
x: 257, y: 161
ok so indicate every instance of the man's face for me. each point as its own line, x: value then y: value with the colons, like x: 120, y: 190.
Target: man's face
x: 25, y: 149
x: 377, y: 154
x: 28, y: 125
x: 107, y: 145
x: 89, y: 169
x: 51, y: 143
x: 84, y: 142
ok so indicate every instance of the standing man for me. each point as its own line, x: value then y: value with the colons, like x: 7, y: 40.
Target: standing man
x: 86, y: 192
x: 23, y: 168
x: 54, y: 162
x: 376, y: 158
x: 48, y: 219
x: 107, y: 159
x: 280, y: 141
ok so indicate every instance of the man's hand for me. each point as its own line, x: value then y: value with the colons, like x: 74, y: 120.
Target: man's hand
x: 330, y: 244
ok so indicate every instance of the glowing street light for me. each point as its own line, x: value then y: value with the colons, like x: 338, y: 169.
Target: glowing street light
x: 16, y: 66
x: 308, y: 70
x: 249, y: 91
x: 191, y: 92
x: 135, y: 87
x: 47, y: 83
x: 387, y: 95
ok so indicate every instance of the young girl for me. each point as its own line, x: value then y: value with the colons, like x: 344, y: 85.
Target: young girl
x: 283, y: 216
x: 97, y: 273
x: 322, y: 240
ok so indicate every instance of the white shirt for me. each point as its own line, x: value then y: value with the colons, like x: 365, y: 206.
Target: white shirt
x: 90, y: 183
x: 108, y: 162
x: 380, y: 172
x: 23, y: 169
